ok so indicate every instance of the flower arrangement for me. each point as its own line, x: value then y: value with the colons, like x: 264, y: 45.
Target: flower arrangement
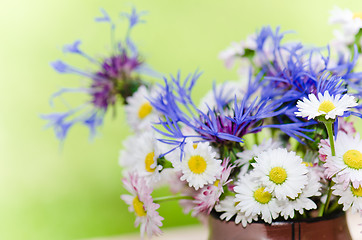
x: 278, y: 144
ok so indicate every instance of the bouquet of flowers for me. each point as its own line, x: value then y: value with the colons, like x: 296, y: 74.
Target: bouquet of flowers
x: 280, y: 143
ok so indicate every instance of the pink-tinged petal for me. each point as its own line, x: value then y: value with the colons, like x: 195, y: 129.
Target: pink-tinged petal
x: 150, y: 223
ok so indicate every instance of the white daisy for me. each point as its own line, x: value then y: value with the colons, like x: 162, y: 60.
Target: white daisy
x: 341, y: 42
x: 325, y: 105
x: 227, y: 206
x: 246, y: 157
x: 230, y: 54
x: 140, y: 113
x: 282, y: 172
x: 140, y: 154
x: 346, y: 127
x: 236, y: 50
x: 199, y: 166
x: 350, y: 22
x: 141, y: 203
x: 252, y: 199
x: 350, y: 197
x: 347, y: 164
x: 302, y: 201
x: 340, y: 16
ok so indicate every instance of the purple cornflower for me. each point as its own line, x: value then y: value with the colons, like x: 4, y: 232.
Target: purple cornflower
x: 115, y: 77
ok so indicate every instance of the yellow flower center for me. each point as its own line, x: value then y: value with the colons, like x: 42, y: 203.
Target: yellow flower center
x: 262, y: 196
x: 216, y: 183
x: 326, y: 106
x: 308, y: 164
x: 357, y: 191
x: 138, y: 207
x: 353, y: 159
x: 194, y: 145
x: 144, y: 110
x: 357, y: 15
x: 197, y: 164
x: 149, y: 161
x: 277, y: 175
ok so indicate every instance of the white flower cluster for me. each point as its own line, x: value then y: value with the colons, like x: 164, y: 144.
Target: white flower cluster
x: 279, y: 184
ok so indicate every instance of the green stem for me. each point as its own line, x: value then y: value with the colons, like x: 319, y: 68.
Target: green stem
x: 333, y: 207
x: 330, y: 136
x: 321, y: 211
x: 256, y: 139
x: 171, y: 198
x: 324, y: 207
x: 328, y: 125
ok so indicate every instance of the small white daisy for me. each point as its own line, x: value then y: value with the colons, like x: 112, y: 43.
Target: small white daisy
x: 302, y: 201
x: 325, y: 105
x: 140, y: 154
x: 246, y: 157
x: 347, y: 164
x: 282, y: 172
x: 340, y: 16
x: 252, y: 199
x: 350, y: 197
x: 341, y: 42
x: 141, y: 203
x: 350, y: 22
x: 199, y: 165
x: 230, y: 54
x: 236, y: 50
x: 227, y: 206
x: 139, y: 111
x: 346, y: 127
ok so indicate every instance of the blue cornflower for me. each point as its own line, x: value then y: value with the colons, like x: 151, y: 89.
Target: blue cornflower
x: 220, y: 127
x: 115, y: 77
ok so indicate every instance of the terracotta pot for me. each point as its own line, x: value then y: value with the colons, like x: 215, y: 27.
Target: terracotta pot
x: 332, y: 228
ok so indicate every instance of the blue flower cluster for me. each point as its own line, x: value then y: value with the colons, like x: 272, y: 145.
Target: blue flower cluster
x: 280, y: 75
x: 218, y: 125
x: 296, y: 71
x: 115, y: 77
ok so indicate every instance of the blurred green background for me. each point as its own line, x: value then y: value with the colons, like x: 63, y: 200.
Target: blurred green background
x: 73, y: 192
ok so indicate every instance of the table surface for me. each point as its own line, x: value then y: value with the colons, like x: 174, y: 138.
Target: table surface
x: 199, y: 232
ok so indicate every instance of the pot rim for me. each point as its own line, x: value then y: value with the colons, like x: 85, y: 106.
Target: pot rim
x: 281, y: 220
